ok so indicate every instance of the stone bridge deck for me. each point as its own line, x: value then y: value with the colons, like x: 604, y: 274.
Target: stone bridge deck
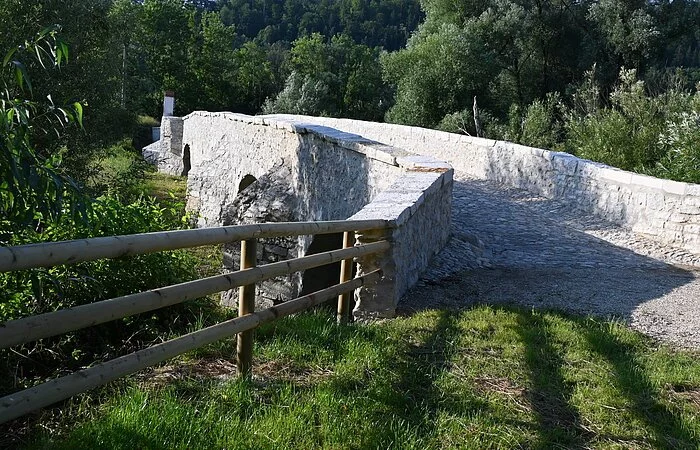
x: 512, y: 247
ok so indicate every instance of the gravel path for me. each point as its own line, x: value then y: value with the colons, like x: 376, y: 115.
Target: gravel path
x: 509, y: 246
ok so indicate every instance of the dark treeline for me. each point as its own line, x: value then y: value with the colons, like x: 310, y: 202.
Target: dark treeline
x: 610, y: 80
x: 552, y: 73
x: 379, y: 23
x: 510, y: 52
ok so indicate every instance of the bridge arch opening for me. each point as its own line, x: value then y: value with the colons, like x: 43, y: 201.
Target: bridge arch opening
x: 326, y: 276
x: 186, y: 164
x: 245, y: 182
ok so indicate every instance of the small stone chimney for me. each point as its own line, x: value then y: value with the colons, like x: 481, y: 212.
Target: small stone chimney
x: 169, y: 103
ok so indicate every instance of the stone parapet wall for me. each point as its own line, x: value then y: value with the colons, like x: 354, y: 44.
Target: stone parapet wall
x: 667, y: 211
x: 167, y: 152
x: 333, y: 174
x: 329, y: 175
x: 419, y: 207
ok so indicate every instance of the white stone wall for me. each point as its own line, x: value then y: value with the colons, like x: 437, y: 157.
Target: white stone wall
x: 224, y: 149
x: 333, y: 175
x: 166, y: 153
x: 665, y: 210
x: 419, y: 206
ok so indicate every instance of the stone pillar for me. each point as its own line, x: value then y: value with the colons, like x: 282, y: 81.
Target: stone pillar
x: 169, y: 104
x: 379, y: 300
x: 171, y: 129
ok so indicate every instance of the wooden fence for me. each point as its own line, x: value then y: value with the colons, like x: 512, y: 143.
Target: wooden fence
x: 32, y: 328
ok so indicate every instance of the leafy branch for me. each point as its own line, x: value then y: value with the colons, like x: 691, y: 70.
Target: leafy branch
x: 32, y: 187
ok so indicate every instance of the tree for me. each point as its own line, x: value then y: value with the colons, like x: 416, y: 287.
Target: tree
x: 124, y: 17
x: 33, y: 189
x: 335, y: 78
x: 437, y: 74
x: 627, y: 28
x: 164, y: 36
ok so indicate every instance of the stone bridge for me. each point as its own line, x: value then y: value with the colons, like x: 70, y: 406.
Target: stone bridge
x: 526, y: 226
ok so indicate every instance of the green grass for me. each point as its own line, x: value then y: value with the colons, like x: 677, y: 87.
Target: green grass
x: 481, y: 378
x: 164, y: 187
x: 170, y: 192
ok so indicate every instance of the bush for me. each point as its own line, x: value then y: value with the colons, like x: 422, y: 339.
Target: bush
x: 636, y: 132
x: 539, y: 126
x: 681, y: 141
x: 118, y: 171
x: 43, y: 290
x: 458, y: 122
x: 38, y: 291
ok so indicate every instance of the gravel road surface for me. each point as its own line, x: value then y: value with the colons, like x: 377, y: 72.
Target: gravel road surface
x: 511, y: 247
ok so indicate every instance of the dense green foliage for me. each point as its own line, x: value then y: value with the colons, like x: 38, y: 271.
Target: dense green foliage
x: 481, y: 378
x: 31, y: 185
x: 225, y: 55
x: 337, y: 78
x: 609, y: 80
x: 514, y: 52
x: 40, y: 203
x: 524, y: 62
x: 385, y: 23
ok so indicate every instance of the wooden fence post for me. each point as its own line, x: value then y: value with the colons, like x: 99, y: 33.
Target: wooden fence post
x: 345, y: 275
x: 246, y: 305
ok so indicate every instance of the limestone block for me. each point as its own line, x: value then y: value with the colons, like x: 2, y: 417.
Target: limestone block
x: 674, y: 187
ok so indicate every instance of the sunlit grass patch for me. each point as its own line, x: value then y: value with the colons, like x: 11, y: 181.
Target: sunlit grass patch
x: 482, y: 378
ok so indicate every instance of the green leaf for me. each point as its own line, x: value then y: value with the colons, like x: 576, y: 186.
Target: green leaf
x: 64, y: 52
x: 21, y: 75
x: 79, y: 113
x: 37, y: 50
x: 8, y: 57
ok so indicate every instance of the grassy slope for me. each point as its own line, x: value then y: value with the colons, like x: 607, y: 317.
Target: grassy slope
x: 481, y: 378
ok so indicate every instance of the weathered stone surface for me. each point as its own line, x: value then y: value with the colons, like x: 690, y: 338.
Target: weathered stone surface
x: 167, y: 153
x: 307, y: 172
x: 268, y: 199
x: 419, y: 206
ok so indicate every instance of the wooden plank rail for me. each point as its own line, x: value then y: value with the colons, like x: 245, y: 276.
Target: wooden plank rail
x: 51, y: 324
x: 23, y: 402
x: 29, y: 329
x: 51, y: 254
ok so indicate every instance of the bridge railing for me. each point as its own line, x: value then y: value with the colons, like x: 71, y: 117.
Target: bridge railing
x: 21, y: 331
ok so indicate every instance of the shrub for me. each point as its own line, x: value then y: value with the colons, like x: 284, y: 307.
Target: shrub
x: 681, y: 142
x: 118, y: 171
x: 539, y: 126
x: 626, y: 134
x: 38, y: 291
x: 458, y: 122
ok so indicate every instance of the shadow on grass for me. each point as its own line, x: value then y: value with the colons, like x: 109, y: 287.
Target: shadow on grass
x: 669, y: 431
x: 413, y: 397
x: 549, y: 394
x: 123, y: 437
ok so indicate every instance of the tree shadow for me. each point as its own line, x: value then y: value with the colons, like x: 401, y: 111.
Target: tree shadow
x: 542, y: 253
x: 549, y: 394
x: 412, y: 397
x: 632, y: 381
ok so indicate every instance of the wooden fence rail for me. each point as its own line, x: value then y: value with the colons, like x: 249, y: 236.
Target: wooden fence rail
x: 51, y: 254
x: 41, y: 326
x: 29, y: 329
x: 23, y: 402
